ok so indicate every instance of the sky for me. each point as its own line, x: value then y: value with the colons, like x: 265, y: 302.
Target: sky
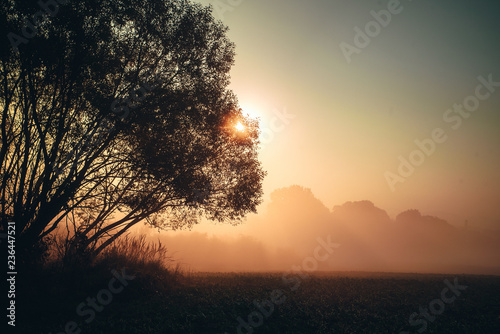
x: 341, y: 122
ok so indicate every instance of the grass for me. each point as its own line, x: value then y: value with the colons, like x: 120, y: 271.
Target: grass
x: 161, y: 299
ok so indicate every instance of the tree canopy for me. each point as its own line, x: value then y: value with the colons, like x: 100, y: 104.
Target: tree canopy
x: 116, y: 112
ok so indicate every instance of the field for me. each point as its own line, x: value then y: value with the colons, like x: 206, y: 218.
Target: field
x: 267, y: 303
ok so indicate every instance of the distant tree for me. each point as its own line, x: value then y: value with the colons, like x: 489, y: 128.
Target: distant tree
x: 360, y: 213
x: 297, y: 217
x: 409, y: 216
x: 415, y: 218
x: 116, y: 112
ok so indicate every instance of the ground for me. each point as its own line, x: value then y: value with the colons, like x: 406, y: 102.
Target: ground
x: 270, y: 303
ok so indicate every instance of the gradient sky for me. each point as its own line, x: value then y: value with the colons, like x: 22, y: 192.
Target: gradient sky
x: 352, y: 121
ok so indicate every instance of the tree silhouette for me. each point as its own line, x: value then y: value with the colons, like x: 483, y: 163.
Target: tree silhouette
x: 115, y: 112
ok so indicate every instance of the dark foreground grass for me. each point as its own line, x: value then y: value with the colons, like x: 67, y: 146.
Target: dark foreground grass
x: 212, y: 303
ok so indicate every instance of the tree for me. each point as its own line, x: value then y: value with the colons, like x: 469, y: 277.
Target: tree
x: 116, y: 112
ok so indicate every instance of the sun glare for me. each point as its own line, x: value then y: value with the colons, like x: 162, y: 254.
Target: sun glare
x: 240, y: 127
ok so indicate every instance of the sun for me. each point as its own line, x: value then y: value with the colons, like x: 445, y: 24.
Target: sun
x: 240, y: 127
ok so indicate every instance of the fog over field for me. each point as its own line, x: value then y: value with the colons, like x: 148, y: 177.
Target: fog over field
x: 366, y: 238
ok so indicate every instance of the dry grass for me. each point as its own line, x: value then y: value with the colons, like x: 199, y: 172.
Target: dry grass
x: 147, y: 260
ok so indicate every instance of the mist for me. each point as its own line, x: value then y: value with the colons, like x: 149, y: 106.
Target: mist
x: 295, y: 223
